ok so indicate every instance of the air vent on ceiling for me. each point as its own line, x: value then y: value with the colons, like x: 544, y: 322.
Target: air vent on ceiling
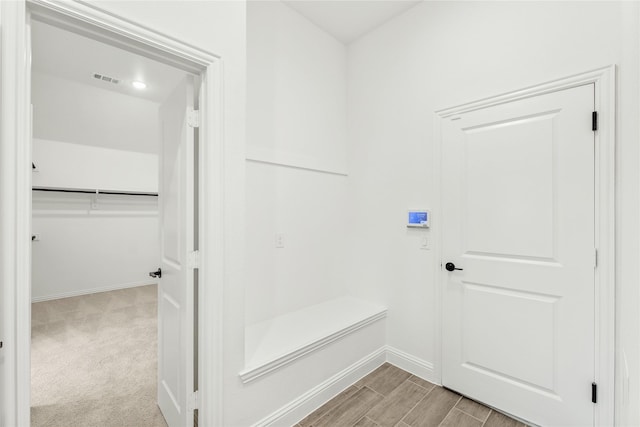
x: 104, y: 78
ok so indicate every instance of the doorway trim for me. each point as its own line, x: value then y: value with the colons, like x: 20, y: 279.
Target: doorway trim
x: 604, y: 81
x: 15, y: 190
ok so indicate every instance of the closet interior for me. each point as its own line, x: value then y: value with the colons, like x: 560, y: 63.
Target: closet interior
x: 95, y: 229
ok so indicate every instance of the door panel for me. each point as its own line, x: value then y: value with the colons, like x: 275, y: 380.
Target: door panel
x: 175, y: 288
x: 518, y: 203
x: 514, y: 218
x: 506, y: 351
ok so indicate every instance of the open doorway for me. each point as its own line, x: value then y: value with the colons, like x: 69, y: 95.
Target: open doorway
x: 113, y: 201
x: 16, y: 190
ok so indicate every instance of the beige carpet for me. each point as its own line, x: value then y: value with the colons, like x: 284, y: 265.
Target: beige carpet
x: 94, y: 360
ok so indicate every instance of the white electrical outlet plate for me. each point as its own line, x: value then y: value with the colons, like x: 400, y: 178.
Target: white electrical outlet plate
x: 279, y: 240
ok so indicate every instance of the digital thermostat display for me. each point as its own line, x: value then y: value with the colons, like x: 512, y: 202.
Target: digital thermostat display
x: 418, y: 219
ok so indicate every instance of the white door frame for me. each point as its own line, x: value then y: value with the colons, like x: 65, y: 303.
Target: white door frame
x: 604, y: 82
x: 15, y: 191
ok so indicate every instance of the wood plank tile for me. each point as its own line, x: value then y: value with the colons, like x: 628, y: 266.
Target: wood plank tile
x: 457, y: 418
x: 385, y: 379
x: 432, y: 409
x: 397, y: 404
x: 351, y: 410
x: 369, y: 377
x: 496, y: 419
x: 474, y: 409
x: 422, y: 383
x: 318, y: 413
x: 365, y: 422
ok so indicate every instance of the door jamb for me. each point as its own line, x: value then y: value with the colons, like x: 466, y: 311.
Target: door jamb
x: 604, y: 81
x: 15, y: 190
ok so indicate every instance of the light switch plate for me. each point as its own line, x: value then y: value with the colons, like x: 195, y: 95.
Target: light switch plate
x: 424, y: 243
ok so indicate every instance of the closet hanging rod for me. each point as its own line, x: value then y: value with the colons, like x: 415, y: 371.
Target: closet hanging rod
x: 119, y: 193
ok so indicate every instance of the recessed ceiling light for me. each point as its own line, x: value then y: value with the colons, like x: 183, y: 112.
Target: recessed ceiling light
x: 139, y: 85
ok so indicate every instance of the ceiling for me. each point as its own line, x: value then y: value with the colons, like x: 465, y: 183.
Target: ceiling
x: 348, y: 20
x: 71, y: 105
x: 77, y: 58
x: 67, y: 55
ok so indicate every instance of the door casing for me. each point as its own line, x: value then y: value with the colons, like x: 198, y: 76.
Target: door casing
x: 15, y: 189
x: 605, y: 350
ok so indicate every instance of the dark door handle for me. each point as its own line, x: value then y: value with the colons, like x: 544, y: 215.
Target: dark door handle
x: 157, y: 273
x: 451, y: 266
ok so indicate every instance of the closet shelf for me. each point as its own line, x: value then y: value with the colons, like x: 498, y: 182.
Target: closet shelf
x: 89, y: 191
x: 277, y: 342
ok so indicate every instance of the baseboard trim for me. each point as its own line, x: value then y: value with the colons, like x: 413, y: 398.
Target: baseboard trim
x: 300, y: 407
x: 416, y: 366
x: 92, y: 291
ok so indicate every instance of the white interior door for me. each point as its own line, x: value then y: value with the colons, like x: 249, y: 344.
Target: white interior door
x: 175, y: 289
x: 518, y: 220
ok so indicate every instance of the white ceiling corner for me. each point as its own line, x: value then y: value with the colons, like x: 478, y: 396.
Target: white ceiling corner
x: 347, y: 20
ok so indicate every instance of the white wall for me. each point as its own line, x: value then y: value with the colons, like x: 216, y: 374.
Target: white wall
x: 84, y: 114
x: 86, y: 246
x: 296, y: 88
x: 296, y: 184
x: 296, y: 116
x: 306, y: 207
x: 442, y: 54
x: 114, y: 243
x: 67, y: 165
x: 82, y: 250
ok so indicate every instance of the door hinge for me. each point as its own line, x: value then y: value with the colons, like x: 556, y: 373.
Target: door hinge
x: 193, y: 401
x: 594, y: 392
x: 595, y: 257
x: 594, y: 121
x: 193, y: 118
x: 193, y: 259
x: 1, y: 344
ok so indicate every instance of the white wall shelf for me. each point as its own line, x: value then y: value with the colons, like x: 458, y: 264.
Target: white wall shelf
x: 274, y: 343
x: 65, y: 165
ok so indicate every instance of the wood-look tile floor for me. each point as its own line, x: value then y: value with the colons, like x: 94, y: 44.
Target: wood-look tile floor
x: 390, y: 396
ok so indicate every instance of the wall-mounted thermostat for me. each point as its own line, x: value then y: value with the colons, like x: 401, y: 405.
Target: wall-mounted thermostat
x: 418, y: 219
